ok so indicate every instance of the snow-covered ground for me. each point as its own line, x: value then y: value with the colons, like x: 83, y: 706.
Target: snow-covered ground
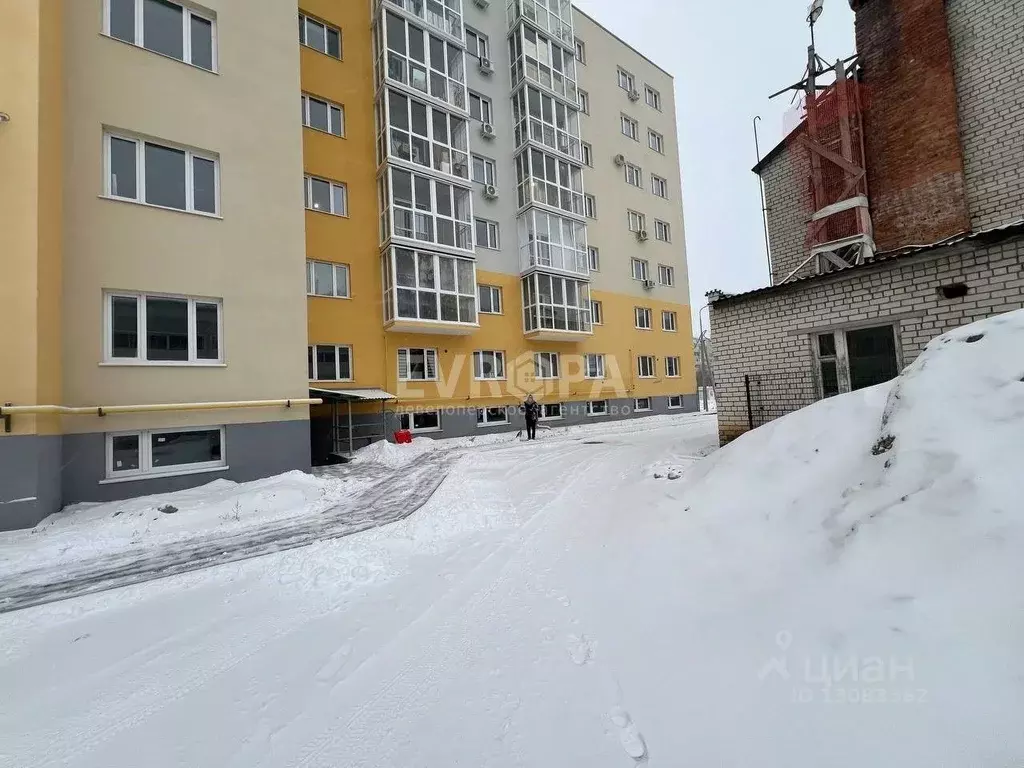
x: 838, y: 588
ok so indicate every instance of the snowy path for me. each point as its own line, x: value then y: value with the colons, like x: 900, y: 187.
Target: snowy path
x: 391, y: 498
x: 466, y: 634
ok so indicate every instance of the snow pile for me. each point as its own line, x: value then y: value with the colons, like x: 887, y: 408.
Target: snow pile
x: 394, y: 455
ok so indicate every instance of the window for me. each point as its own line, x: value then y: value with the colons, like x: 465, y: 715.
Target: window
x: 593, y: 366
x: 480, y: 108
x: 642, y: 315
x: 645, y: 366
x: 425, y: 421
x: 487, y: 234
x: 323, y: 115
x: 630, y: 127
x: 642, y: 404
x: 675, y: 401
x: 326, y: 196
x: 489, y: 365
x: 672, y: 367
x: 417, y: 364
x: 597, y: 312
x: 410, y: 55
x: 584, y: 99
x: 423, y: 134
x: 483, y: 170
x: 588, y: 154
x: 551, y: 411
x: 319, y: 36
x: 545, y: 364
x: 853, y: 359
x: 490, y: 299
x: 549, y: 240
x: 150, y: 328
x: 637, y: 222
x: 656, y: 141
x: 155, y: 452
x: 659, y: 186
x: 581, y: 51
x: 546, y: 120
x: 594, y: 257
x: 538, y: 59
x: 666, y: 275
x: 557, y: 19
x: 555, y: 303
x: 634, y: 176
x: 329, y: 362
x: 597, y: 408
x: 429, y: 286
x: 626, y: 81
x: 547, y: 179
x: 662, y: 231
x: 164, y: 27
x: 445, y: 16
x: 161, y: 175
x: 828, y: 362
x: 652, y: 97
x: 426, y: 209
x: 491, y: 417
x: 477, y: 44
x: 326, y: 279
x: 640, y: 269
x: 590, y: 206
x: 668, y: 321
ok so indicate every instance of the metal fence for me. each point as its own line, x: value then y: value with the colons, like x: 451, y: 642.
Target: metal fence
x: 770, y: 395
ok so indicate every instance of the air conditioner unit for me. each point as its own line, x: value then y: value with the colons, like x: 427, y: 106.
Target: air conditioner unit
x: 485, y: 66
x: 620, y: 160
x: 641, y: 235
x: 487, y: 130
x: 482, y: 3
x: 490, y: 192
x: 649, y: 285
x: 634, y: 95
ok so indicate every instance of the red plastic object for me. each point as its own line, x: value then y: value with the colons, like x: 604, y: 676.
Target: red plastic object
x: 403, y: 436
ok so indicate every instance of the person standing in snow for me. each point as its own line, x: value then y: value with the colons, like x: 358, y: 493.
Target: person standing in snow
x: 531, y: 410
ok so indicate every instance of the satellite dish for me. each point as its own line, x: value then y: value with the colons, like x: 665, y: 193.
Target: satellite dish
x: 815, y: 10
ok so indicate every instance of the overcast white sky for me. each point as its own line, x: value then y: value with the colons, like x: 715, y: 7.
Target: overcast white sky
x: 727, y: 57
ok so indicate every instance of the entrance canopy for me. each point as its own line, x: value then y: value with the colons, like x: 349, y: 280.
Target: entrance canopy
x: 345, y: 433
x: 351, y: 395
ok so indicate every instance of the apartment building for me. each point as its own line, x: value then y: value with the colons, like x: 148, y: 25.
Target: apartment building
x: 417, y: 212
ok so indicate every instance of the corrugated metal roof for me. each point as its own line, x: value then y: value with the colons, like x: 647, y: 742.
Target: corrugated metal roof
x: 365, y: 395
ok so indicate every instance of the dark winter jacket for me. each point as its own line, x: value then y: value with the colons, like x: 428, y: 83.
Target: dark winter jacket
x: 532, y: 412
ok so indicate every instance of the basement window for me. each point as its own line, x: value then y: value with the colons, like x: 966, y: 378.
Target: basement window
x: 551, y: 411
x: 425, y: 421
x: 162, y: 452
x: 491, y: 417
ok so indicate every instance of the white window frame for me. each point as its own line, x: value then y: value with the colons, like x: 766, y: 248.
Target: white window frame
x: 598, y: 367
x: 584, y: 100
x: 679, y: 401
x: 492, y: 228
x: 311, y: 280
x: 629, y: 126
x: 589, y: 206
x: 308, y: 180
x: 487, y: 422
x: 652, y: 97
x: 640, y: 269
x: 642, y: 318
x: 646, y: 366
x: 626, y: 80
x: 656, y: 141
x: 303, y: 19
x: 311, y: 360
x: 673, y: 368
x: 410, y: 418
x: 662, y: 231
x: 432, y: 284
x: 489, y: 167
x: 634, y: 175
x: 188, y: 11
x: 594, y: 258
x: 429, y: 358
x: 543, y: 412
x: 331, y: 107
x: 659, y: 186
x: 497, y: 359
x: 545, y: 178
x: 399, y: 137
x: 581, y: 50
x: 495, y: 294
x: 637, y: 408
x: 413, y: 213
x: 143, y: 336
x: 554, y: 366
x: 486, y: 108
x: 540, y: 117
x: 483, y: 43
x: 540, y: 313
x: 591, y: 410
x: 191, y: 155
x: 438, y: 79
x: 669, y: 318
x: 587, y: 150
x: 666, y: 275
x: 145, y: 469
x: 637, y: 221
x: 552, y: 240
x: 596, y: 312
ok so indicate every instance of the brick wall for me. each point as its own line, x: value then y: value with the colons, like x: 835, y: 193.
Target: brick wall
x: 914, y: 157
x: 771, y: 333
x: 787, y: 192
x: 988, y: 59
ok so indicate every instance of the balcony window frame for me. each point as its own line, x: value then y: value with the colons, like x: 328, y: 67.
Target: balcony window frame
x: 421, y: 211
x: 464, y: 301
x: 546, y: 120
x: 440, y: 77
x: 552, y: 240
x: 400, y: 140
x: 537, y: 309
